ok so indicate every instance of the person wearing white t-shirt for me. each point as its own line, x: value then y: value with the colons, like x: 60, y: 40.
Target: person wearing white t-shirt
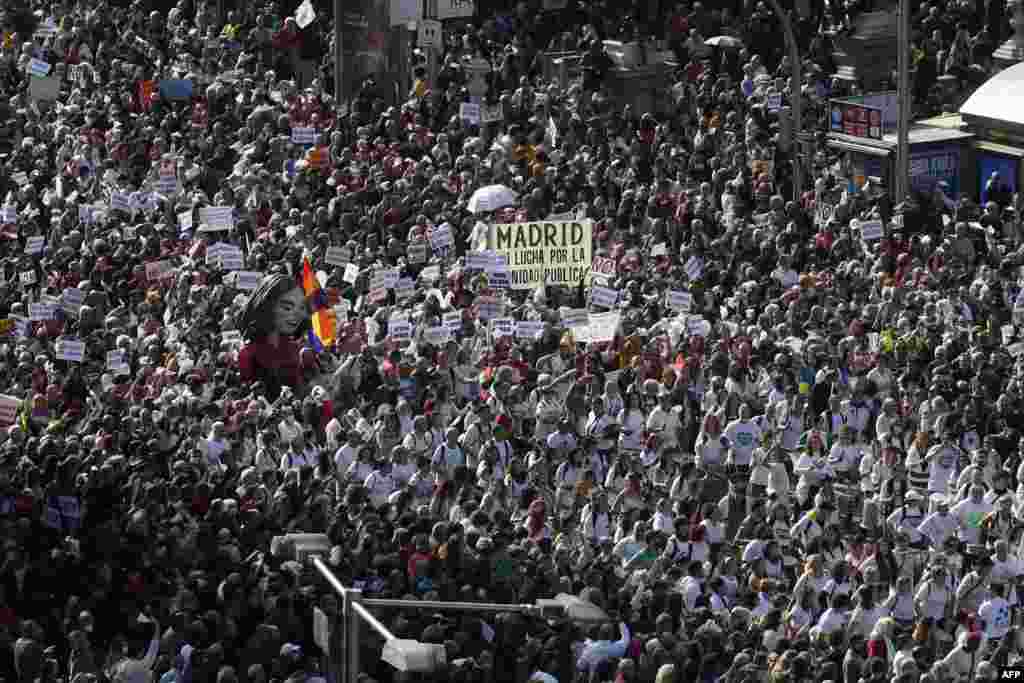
x: 939, y: 526
x: 845, y: 456
x: 969, y: 514
x: 379, y: 485
x: 1006, y: 569
x: 348, y: 453
x: 942, y: 461
x: 835, y: 617
x: 666, y: 421
x: 742, y: 435
x: 692, y: 585
x: 995, y: 613
x: 933, y: 594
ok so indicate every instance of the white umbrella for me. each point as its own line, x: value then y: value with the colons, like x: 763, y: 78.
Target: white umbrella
x: 491, y: 198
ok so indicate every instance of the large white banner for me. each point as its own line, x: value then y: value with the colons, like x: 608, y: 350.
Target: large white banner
x: 551, y: 252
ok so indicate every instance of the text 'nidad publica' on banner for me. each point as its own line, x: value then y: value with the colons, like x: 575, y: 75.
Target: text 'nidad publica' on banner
x: 545, y: 252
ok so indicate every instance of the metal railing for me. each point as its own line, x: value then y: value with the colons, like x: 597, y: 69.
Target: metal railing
x: 405, y: 655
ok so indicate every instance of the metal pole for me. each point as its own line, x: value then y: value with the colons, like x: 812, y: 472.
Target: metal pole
x: 905, y: 104
x: 339, y: 84
x: 372, y: 620
x: 352, y: 627
x: 795, y: 95
x: 448, y: 606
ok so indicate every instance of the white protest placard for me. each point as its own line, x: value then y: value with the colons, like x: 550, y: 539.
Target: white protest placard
x: 1007, y: 332
x: 575, y: 318
x: 129, y: 233
x: 680, y: 301
x: 351, y: 273
x: 659, y: 249
x: 19, y: 178
x: 39, y: 312
x: 480, y: 260
x: 28, y: 277
x: 602, y: 265
x: 694, y: 268
x: 436, y: 335
x: 604, y: 326
x: 338, y: 256
x: 441, y: 237
x: 502, y: 327
x: 71, y: 350
x: 8, y: 409
x: 774, y: 101
x: 217, y: 217
x: 499, y: 279
x: 87, y: 213
x: 452, y: 322
x: 185, y: 220
x: 377, y: 295
x: 8, y: 214
x: 158, y: 270
x: 430, y: 34
x: 34, y: 244
x: 305, y: 14
x: 604, y: 296
x: 529, y: 329
x: 116, y: 362
x: 167, y: 176
x: 489, y: 307
x: 38, y: 67
x: 498, y: 264
x: 431, y: 273
x: 871, y: 230
x: 121, y: 201
x: 304, y: 136
x: 697, y: 326
x: 404, y: 287
x: 232, y: 258
x: 491, y: 113
x: 72, y: 299
x: 552, y: 253
x: 231, y: 336
x: 470, y: 113
x: 385, y: 278
x: 248, y: 280
x: 400, y: 331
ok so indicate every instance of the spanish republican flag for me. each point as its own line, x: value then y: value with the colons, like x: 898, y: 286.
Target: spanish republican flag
x: 309, y: 282
x: 325, y: 326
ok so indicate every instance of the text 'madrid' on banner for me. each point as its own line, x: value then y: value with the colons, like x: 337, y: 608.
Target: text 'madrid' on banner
x: 551, y: 252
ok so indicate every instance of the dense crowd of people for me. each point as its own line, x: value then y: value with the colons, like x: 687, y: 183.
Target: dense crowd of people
x: 234, y: 308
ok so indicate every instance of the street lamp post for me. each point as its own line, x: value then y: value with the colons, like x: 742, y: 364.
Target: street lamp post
x: 339, y: 85
x: 905, y: 103
x: 795, y: 95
